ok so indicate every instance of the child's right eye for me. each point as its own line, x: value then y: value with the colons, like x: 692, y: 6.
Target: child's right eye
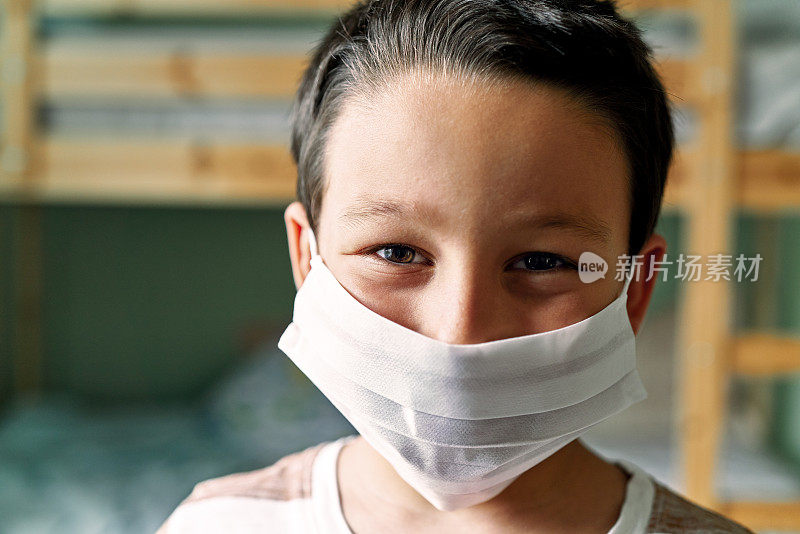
x: 399, y: 254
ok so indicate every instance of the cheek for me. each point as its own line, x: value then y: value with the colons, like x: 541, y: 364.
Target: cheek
x: 418, y: 305
x: 558, y: 312
x: 395, y: 299
x: 585, y: 301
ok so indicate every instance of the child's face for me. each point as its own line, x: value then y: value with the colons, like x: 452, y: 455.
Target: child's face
x: 466, y: 186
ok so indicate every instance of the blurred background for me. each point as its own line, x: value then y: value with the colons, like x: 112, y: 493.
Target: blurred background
x: 144, y: 274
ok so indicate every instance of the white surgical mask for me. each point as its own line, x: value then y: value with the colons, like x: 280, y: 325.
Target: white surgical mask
x: 459, y: 423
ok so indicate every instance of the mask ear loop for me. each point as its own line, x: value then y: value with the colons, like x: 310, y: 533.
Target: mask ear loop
x: 312, y: 243
x: 628, y: 277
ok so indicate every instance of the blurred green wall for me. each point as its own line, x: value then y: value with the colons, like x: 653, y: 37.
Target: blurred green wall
x: 6, y: 288
x: 151, y: 303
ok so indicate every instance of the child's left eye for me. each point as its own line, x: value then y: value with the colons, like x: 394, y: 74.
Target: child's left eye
x: 541, y: 262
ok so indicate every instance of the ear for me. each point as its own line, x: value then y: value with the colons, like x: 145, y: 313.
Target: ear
x: 641, y: 288
x: 297, y: 229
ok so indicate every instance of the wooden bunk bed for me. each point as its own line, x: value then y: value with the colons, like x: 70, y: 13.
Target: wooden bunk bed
x: 710, y: 180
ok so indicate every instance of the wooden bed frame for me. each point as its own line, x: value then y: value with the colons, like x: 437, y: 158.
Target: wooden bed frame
x: 710, y: 180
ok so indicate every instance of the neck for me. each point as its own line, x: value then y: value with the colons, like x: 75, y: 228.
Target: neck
x: 571, y: 483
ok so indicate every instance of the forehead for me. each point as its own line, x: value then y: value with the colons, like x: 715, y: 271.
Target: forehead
x: 476, y: 154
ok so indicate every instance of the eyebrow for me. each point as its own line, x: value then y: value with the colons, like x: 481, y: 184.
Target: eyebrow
x: 586, y: 225
x: 365, y: 210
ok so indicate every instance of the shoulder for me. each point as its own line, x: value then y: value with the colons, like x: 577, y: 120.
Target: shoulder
x: 672, y: 513
x: 288, y: 478
x: 275, y: 493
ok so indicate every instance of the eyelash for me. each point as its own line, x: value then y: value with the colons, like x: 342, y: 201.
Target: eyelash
x: 564, y: 263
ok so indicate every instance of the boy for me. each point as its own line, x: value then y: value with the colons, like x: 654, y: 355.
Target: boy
x: 455, y: 160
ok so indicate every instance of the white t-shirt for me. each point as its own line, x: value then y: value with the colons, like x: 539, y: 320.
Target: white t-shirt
x: 633, y: 517
x: 299, y: 494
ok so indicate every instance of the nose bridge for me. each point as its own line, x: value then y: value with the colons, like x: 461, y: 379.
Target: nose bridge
x: 469, y: 307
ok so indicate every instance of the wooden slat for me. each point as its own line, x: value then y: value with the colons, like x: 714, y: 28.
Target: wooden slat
x: 769, y: 180
x: 158, y: 171
x: 192, y: 8
x: 765, y: 515
x: 766, y: 354
x: 766, y: 181
x: 654, y: 5
x: 86, y: 72
x: 93, y: 69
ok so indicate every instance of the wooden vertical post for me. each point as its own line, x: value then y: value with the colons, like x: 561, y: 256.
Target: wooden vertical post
x: 705, y: 332
x: 16, y: 174
x: 15, y: 76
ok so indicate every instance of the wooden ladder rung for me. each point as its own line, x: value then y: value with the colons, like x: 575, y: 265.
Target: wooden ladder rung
x: 766, y: 181
x: 766, y: 354
x: 160, y: 170
x: 654, y: 5
x: 90, y: 69
x: 190, y: 8
x: 769, y: 179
